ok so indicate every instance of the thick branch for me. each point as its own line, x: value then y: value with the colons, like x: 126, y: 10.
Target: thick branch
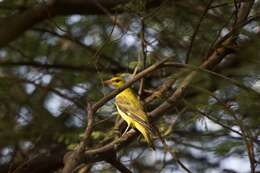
x: 71, y: 162
x: 13, y: 26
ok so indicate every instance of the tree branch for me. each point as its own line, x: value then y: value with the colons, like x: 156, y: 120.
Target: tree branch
x: 214, y: 58
x: 73, y: 159
x: 13, y: 26
x: 111, y: 158
x: 128, y: 83
x: 197, y: 30
x: 75, y: 68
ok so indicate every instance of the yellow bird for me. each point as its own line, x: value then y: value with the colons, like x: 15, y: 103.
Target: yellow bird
x: 131, y: 110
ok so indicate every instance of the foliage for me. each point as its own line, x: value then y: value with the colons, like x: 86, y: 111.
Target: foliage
x: 48, y: 72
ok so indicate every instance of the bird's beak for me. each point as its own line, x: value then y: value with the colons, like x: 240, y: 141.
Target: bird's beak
x: 108, y: 82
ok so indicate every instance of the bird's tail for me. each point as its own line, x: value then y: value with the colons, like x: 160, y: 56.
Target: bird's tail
x: 146, y: 133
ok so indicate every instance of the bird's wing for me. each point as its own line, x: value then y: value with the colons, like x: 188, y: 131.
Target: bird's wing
x: 130, y: 108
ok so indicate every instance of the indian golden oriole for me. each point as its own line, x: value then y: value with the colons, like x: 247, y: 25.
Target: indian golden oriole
x: 131, y: 110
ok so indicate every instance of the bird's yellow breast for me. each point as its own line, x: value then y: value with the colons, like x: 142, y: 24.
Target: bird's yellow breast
x: 128, y: 100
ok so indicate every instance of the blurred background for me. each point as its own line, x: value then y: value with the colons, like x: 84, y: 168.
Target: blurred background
x: 55, y: 54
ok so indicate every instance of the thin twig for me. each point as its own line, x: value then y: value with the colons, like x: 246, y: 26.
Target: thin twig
x: 78, y: 68
x: 137, y: 77
x: 78, y: 42
x: 200, y: 69
x: 90, y: 123
x: 113, y: 160
x: 143, y: 51
x: 175, y: 157
x: 197, y: 30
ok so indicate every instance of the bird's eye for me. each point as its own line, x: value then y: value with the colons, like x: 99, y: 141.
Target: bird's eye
x: 117, y: 80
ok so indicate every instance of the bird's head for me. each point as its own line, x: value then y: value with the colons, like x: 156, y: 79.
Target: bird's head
x: 115, y: 81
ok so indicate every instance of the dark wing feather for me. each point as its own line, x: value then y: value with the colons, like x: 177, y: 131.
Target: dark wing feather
x: 136, y: 113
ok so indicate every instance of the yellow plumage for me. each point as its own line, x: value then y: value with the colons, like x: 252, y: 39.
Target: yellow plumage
x: 131, y: 110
